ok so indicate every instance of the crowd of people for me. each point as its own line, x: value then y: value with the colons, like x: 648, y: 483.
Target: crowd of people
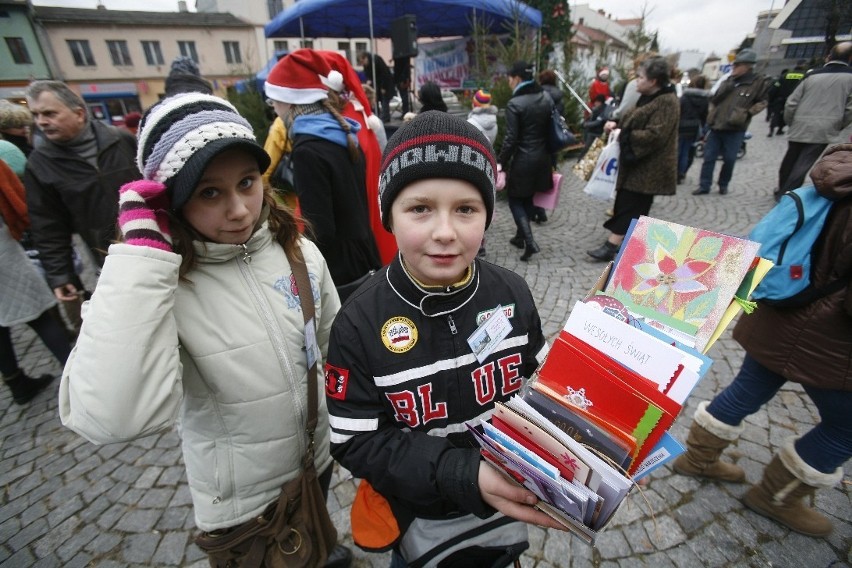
x: 197, y: 316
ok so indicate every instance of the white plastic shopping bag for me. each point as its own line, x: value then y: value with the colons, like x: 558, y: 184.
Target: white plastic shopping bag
x: 602, y: 183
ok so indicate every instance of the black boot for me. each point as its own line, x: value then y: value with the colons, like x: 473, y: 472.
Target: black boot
x: 518, y: 240
x: 605, y: 252
x: 339, y: 557
x: 530, y: 247
x: 24, y: 388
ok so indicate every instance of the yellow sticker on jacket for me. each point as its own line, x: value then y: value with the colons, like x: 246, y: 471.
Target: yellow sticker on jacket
x: 399, y: 334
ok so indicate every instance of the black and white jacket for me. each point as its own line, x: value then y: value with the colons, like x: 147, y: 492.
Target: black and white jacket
x: 402, y: 382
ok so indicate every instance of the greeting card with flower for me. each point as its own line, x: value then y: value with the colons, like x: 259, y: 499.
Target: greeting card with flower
x: 678, y: 278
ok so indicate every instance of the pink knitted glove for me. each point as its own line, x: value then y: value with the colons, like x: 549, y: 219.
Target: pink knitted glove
x: 142, y: 214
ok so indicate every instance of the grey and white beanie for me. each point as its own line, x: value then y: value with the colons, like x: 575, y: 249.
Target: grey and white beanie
x: 436, y: 145
x: 181, y: 134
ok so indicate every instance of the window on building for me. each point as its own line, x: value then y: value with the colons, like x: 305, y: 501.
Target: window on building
x: 346, y: 48
x: 281, y: 45
x: 118, y: 52
x: 81, y: 52
x: 18, y: 49
x: 153, y: 53
x: 308, y: 43
x: 232, y: 52
x: 805, y: 50
x: 187, y: 49
x: 360, y: 47
x: 273, y: 7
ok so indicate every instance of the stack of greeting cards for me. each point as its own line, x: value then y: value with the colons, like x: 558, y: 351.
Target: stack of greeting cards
x: 596, y: 416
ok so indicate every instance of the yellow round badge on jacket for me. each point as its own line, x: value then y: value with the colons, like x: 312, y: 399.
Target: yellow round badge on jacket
x: 399, y: 334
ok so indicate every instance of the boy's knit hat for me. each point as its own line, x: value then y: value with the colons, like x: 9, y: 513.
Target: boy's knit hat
x: 180, y: 135
x: 185, y: 77
x: 481, y: 98
x: 301, y: 78
x: 436, y: 145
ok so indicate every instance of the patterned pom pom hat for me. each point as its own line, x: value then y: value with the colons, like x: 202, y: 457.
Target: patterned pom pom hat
x: 180, y: 135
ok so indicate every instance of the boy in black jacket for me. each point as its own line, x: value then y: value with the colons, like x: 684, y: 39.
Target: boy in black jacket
x: 404, y: 375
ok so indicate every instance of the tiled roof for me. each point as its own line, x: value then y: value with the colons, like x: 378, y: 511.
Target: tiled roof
x: 52, y: 14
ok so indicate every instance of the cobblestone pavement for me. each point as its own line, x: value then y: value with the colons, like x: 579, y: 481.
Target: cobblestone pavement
x: 66, y: 502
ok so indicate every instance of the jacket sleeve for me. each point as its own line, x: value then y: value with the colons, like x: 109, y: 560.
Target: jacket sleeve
x: 123, y: 378
x: 760, y: 99
x: 52, y: 228
x: 410, y: 466
x: 313, y: 180
x: 329, y: 300
x: 510, y: 138
x: 793, y: 103
x: 847, y: 114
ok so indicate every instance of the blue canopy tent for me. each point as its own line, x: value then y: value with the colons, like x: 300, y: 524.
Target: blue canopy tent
x: 372, y: 18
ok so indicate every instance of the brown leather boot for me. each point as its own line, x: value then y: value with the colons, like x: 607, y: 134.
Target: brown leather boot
x: 708, y: 437
x: 786, y: 481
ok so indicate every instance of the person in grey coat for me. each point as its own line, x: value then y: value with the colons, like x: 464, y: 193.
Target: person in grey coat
x: 25, y: 298
x: 816, y: 112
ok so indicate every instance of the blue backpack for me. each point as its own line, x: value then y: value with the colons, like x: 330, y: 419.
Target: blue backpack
x: 787, y: 235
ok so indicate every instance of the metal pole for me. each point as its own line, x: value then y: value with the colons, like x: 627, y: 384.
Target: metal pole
x: 373, y: 54
x: 573, y: 92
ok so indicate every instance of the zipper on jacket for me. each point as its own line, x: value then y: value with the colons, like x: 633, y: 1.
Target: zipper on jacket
x: 453, y: 328
x: 246, y: 256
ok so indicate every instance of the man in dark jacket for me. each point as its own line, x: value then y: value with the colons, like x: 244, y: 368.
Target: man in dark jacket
x: 739, y: 98
x: 819, y: 108
x: 778, y: 93
x: 72, y: 182
x: 381, y: 79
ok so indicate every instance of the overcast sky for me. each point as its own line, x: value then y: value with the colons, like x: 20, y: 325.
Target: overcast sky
x: 703, y: 25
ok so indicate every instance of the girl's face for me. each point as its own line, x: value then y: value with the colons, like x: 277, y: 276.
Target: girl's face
x: 438, y: 225
x: 226, y: 203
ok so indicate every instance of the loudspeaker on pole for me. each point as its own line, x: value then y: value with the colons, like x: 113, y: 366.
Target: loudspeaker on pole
x: 404, y: 36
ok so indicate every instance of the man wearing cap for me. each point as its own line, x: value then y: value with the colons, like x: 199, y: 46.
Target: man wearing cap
x: 741, y: 96
x: 72, y: 182
x: 819, y: 108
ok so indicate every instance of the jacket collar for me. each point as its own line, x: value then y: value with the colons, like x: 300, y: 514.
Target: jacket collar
x: 431, y: 302
x: 526, y: 88
x: 212, y: 253
x: 104, y: 135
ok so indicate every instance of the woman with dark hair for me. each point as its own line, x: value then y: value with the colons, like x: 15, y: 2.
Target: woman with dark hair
x: 430, y: 97
x: 648, y: 162
x: 547, y: 80
x: 524, y: 155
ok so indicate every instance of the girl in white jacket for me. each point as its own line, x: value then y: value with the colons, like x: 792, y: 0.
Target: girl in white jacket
x: 196, y: 319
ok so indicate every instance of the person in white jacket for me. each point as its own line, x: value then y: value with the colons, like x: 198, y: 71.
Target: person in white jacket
x: 197, y: 321
x: 483, y: 115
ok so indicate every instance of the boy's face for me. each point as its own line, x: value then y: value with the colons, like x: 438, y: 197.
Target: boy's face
x: 438, y: 224
x: 226, y: 203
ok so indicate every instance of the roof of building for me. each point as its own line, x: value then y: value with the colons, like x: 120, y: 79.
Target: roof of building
x: 585, y: 35
x: 52, y: 14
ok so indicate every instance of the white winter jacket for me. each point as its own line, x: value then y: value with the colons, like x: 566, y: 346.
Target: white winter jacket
x: 223, y: 354
x: 485, y: 119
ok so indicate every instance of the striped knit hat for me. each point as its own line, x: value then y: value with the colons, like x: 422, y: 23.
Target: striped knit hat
x: 436, y: 144
x: 180, y: 135
x: 481, y: 98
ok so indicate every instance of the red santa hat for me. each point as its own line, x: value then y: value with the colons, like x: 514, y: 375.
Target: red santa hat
x: 351, y: 81
x: 301, y: 78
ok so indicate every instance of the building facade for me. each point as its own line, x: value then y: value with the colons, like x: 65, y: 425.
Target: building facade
x: 20, y: 51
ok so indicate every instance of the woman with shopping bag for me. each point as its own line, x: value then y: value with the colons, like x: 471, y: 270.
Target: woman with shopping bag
x: 647, y: 164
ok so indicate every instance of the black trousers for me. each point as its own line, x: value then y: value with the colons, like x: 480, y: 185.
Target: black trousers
x: 797, y: 162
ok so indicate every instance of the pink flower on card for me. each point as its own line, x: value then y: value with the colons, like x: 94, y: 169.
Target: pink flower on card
x: 570, y: 461
x: 665, y: 275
